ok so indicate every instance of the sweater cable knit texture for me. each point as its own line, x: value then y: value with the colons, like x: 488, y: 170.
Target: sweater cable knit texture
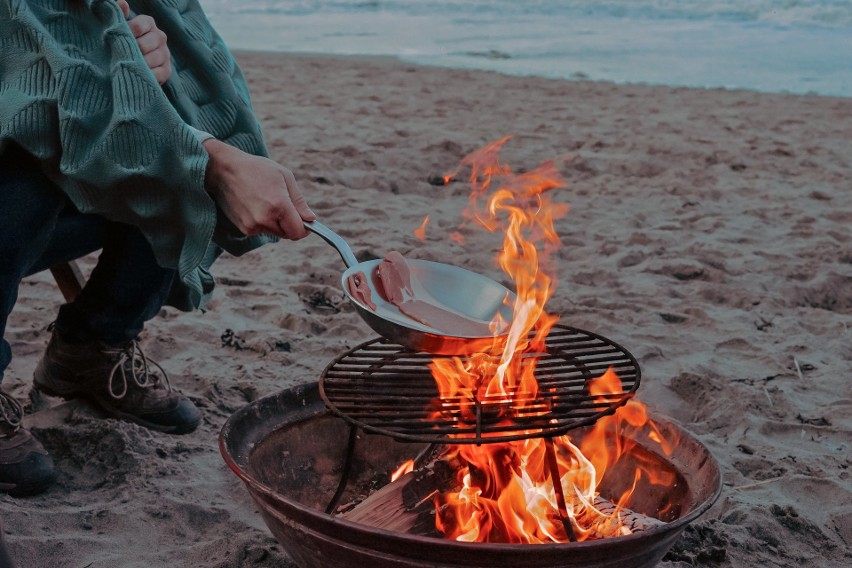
x: 75, y: 92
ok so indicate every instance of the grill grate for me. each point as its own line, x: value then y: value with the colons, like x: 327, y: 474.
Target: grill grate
x: 386, y: 389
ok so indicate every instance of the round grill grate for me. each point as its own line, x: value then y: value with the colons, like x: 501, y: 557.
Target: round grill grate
x: 386, y: 389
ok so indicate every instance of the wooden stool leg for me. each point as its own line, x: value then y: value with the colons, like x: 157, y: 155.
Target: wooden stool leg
x: 69, y: 278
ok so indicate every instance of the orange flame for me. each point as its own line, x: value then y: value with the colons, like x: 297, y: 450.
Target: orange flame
x: 404, y: 467
x: 505, y: 491
x: 523, y: 210
x: 613, y: 437
x: 420, y: 232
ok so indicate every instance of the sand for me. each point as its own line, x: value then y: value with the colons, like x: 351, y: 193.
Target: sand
x: 710, y: 233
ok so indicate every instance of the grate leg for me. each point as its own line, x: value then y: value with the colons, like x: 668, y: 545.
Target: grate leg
x: 550, y: 455
x: 347, y: 469
x: 478, y: 421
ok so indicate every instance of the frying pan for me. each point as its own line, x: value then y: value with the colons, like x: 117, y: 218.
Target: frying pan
x: 453, y: 289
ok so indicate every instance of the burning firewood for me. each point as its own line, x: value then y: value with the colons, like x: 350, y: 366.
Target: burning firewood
x: 636, y: 522
x: 395, y: 507
x: 406, y: 504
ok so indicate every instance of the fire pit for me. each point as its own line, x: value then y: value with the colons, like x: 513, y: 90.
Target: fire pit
x: 528, y: 450
x: 299, y: 459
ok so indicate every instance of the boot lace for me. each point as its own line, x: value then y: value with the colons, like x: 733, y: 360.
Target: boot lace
x: 11, y: 411
x: 133, y: 365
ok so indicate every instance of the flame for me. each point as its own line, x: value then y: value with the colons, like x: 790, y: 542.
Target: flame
x: 522, y: 209
x: 615, y: 436
x: 420, y: 232
x: 404, y: 467
x: 505, y: 492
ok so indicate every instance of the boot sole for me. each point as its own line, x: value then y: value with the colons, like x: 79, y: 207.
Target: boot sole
x: 26, y: 489
x: 116, y: 413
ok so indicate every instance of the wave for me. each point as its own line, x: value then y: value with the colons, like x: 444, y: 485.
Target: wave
x: 832, y: 13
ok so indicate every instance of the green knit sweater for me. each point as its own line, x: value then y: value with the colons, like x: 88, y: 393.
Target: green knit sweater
x: 75, y: 92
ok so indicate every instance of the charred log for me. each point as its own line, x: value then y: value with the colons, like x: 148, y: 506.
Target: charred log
x: 408, y: 504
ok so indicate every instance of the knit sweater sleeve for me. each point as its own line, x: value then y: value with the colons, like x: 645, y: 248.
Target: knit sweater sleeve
x: 76, y: 94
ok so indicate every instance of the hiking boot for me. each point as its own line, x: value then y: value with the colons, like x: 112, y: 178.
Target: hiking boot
x: 121, y: 380
x: 25, y: 466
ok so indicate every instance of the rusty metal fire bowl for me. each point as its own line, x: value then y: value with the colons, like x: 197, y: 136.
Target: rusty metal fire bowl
x: 290, y: 452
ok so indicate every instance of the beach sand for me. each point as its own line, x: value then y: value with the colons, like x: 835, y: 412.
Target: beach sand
x: 710, y: 233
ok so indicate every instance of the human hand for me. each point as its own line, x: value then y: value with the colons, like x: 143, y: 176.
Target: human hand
x: 152, y: 43
x: 255, y: 193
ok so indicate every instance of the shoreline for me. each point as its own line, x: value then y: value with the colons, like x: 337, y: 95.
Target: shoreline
x: 709, y: 234
x: 575, y: 78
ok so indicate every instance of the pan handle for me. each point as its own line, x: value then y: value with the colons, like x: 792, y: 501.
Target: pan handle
x: 334, y: 240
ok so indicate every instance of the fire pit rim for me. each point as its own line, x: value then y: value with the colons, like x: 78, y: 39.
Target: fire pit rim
x: 316, y: 408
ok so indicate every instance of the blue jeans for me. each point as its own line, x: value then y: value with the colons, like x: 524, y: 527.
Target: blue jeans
x: 40, y: 227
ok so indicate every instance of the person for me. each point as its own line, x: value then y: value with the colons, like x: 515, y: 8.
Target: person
x: 126, y: 126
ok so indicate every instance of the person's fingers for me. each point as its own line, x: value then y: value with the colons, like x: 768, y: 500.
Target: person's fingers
x: 296, y: 196
x: 141, y: 25
x: 288, y: 217
x: 125, y: 8
x: 156, y: 58
x: 162, y: 72
x: 256, y: 194
x: 290, y: 223
x: 152, y: 40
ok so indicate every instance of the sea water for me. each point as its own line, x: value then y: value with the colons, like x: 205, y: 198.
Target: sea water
x: 796, y: 46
